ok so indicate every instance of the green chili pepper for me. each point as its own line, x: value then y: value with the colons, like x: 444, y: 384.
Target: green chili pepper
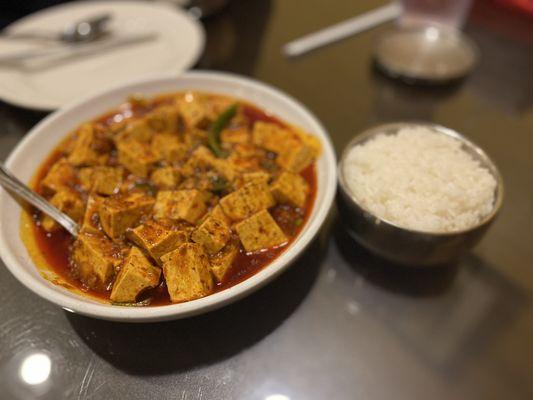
x: 142, y: 303
x: 219, y: 184
x: 213, y: 136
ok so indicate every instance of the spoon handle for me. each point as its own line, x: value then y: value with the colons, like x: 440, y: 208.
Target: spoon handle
x: 78, y: 49
x: 342, y: 30
x: 32, y: 35
x: 13, y: 185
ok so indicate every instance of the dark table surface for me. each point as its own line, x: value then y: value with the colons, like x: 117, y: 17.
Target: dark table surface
x: 339, y: 324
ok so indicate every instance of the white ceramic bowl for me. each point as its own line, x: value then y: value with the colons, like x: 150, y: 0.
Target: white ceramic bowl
x: 32, y: 150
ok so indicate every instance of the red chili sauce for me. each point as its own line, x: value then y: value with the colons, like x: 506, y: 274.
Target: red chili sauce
x: 55, y: 247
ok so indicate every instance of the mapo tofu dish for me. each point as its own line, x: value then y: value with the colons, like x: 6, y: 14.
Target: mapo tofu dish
x: 177, y: 197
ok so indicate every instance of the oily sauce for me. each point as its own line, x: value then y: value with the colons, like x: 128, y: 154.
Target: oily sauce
x: 55, y: 246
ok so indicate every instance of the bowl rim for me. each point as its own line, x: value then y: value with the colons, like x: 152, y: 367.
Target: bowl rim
x: 86, y: 306
x: 375, y: 130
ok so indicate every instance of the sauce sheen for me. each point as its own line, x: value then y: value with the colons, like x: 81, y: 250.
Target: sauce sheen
x: 55, y: 246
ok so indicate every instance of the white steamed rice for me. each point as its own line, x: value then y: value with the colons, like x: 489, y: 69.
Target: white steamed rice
x: 420, y: 179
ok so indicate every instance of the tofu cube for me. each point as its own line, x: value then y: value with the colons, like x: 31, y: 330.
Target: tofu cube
x: 202, y: 182
x: 83, y: 153
x: 136, y: 157
x: 295, y: 150
x: 236, y: 135
x: 120, y: 212
x: 259, y: 232
x: 223, y: 260
x: 189, y: 205
x: 246, y: 201
x: 164, y: 119
x: 187, y: 273
x: 166, y: 178
x: 101, y: 180
x: 290, y: 188
x: 136, y: 275
x: 309, y: 140
x: 95, y: 258
x: 213, y: 234
x: 203, y: 159
x: 136, y: 129
x: 193, y: 110
x: 247, y: 157
x: 168, y: 147
x: 271, y: 136
x: 296, y: 158
x: 156, y: 239
x: 248, y: 150
x: 67, y: 201
x: 217, y: 212
x: 60, y: 175
x: 91, y: 219
x: 224, y: 169
x: 256, y: 176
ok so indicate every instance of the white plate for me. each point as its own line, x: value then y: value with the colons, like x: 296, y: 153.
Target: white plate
x: 48, y: 83
x: 33, y: 149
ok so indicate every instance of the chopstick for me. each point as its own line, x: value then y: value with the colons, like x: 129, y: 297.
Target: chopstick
x: 342, y: 30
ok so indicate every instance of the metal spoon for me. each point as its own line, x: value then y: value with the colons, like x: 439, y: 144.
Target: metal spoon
x: 82, y: 31
x: 13, y: 186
